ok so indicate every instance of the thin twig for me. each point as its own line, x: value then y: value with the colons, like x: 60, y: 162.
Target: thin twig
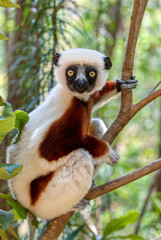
x: 152, y: 90
x: 146, y: 100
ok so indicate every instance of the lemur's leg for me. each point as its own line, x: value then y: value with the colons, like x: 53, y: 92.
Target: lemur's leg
x: 82, y: 164
x: 98, y: 129
x: 69, y: 184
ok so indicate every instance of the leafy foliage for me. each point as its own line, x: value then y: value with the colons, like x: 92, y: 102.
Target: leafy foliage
x: 12, y: 232
x: 7, y: 120
x: 8, y: 4
x: 3, y: 37
x: 21, y: 211
x: 6, y: 219
x: 8, y: 171
x: 129, y: 237
x: 121, y: 222
x: 74, y: 234
x: 156, y: 201
x: 10, y: 120
x: 21, y: 119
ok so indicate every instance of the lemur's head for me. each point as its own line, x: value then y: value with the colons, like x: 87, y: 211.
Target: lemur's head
x: 81, y: 71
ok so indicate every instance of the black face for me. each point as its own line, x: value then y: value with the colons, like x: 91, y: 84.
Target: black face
x: 81, y: 78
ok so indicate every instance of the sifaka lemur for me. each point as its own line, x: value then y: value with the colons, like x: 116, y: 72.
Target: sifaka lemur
x: 60, y: 145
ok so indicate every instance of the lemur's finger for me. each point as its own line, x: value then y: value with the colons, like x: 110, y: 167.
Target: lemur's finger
x: 127, y: 81
x: 120, y: 81
x: 133, y: 77
x: 128, y: 86
x: 131, y: 81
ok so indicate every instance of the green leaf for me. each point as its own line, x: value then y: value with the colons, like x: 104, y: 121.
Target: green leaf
x: 74, y: 234
x: 21, y: 211
x: 157, y: 204
x: 12, y: 232
x: 7, y: 120
x: 129, y: 237
x: 8, y: 4
x: 3, y: 37
x: 21, y: 119
x: 3, y: 235
x: 10, y: 120
x: 8, y: 171
x: 6, y: 125
x: 6, y: 219
x: 121, y: 222
x: 35, y: 222
x: 6, y: 197
x: 16, y: 216
x: 2, y: 101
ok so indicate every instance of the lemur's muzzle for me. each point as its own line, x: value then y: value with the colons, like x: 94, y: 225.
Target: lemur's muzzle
x: 80, y: 85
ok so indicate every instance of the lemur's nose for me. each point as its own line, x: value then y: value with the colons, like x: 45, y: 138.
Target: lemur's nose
x: 80, y: 85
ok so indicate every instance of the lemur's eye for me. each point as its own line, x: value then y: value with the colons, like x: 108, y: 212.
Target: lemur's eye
x: 70, y: 73
x: 92, y: 74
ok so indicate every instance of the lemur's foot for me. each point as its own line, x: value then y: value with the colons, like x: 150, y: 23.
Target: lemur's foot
x: 112, y: 157
x: 81, y: 205
x: 126, y: 85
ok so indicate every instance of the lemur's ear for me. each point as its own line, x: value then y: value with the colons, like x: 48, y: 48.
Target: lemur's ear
x: 108, y: 63
x: 56, y: 58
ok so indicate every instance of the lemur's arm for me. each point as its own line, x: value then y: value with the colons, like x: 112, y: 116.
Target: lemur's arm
x: 112, y: 90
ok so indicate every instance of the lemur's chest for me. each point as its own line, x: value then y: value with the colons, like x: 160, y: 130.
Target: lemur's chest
x: 67, y: 133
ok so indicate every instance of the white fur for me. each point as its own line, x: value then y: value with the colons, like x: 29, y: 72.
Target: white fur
x: 73, y: 173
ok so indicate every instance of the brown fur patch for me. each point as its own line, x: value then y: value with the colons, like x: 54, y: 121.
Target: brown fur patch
x: 109, y: 86
x: 71, y: 131
x: 38, y: 185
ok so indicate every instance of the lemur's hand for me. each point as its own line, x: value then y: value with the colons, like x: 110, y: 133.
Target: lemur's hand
x: 128, y: 85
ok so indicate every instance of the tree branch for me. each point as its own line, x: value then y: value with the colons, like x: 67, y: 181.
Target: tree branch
x: 56, y: 226
x: 119, y: 182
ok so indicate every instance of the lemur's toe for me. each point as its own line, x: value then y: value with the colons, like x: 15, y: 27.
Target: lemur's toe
x: 81, y: 205
x: 133, y: 77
